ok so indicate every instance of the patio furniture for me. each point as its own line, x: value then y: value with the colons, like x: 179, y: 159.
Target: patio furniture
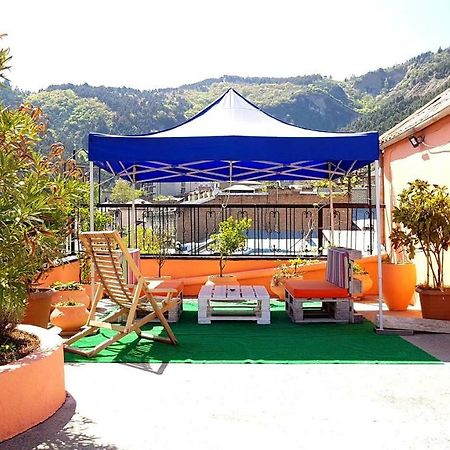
x: 160, y: 288
x: 328, y: 300
x: 220, y: 302
x: 102, y: 247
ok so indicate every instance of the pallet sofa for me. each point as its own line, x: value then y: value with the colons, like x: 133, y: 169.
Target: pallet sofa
x: 328, y: 300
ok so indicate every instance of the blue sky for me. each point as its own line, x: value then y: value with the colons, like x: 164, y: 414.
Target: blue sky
x: 152, y: 44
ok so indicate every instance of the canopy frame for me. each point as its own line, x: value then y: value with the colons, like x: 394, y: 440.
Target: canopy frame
x: 145, y: 157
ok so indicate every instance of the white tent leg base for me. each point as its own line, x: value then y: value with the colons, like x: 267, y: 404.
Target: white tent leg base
x: 392, y: 332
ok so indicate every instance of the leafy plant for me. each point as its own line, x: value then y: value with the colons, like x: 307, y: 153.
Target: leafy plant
x: 69, y: 303
x: 231, y: 237
x: 293, y: 269
x: 69, y: 286
x: 38, y: 195
x: 423, y: 219
x: 359, y: 270
x: 155, y: 242
x: 85, y: 268
x: 124, y: 192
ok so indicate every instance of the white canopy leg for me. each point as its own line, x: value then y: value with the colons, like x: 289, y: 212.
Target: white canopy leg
x: 133, y: 223
x: 330, y: 186
x: 379, y: 228
x: 92, y: 217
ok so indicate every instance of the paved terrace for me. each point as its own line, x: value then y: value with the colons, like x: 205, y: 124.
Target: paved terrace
x: 189, y: 406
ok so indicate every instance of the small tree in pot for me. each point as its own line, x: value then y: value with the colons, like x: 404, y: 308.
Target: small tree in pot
x: 231, y: 238
x: 423, y: 216
x: 156, y: 242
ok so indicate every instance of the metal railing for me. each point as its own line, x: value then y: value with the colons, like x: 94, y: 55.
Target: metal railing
x: 277, y: 230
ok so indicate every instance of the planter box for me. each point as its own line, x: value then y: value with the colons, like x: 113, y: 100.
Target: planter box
x: 32, y: 388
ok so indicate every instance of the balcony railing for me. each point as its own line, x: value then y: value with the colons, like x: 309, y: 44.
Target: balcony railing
x: 277, y: 230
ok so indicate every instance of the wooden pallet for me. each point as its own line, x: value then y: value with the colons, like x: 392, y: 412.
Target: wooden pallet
x: 330, y: 310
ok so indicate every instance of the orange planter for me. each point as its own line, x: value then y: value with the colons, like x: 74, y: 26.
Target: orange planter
x: 69, y: 318
x: 366, y: 282
x: 399, y: 282
x: 435, y: 304
x: 78, y: 296
x: 32, y: 388
x: 37, y: 311
x: 225, y: 279
x: 279, y: 289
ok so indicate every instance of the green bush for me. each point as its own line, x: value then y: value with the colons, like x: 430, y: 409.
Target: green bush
x: 231, y: 238
x: 37, y: 198
x: 422, y: 220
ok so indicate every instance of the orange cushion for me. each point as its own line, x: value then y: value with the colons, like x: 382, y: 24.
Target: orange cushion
x: 314, y: 289
x: 178, y: 285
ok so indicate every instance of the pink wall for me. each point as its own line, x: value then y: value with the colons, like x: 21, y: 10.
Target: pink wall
x: 403, y: 163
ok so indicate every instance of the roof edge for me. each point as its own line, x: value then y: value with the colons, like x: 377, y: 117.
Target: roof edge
x: 414, y: 128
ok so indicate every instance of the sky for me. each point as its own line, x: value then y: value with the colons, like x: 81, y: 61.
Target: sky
x: 155, y: 44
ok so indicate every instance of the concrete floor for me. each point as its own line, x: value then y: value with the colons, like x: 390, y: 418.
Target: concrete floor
x: 244, y: 406
x: 184, y: 406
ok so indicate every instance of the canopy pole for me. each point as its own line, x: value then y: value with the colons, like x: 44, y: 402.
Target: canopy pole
x: 133, y: 242
x: 330, y: 187
x: 91, y: 196
x: 379, y: 228
x: 91, y: 216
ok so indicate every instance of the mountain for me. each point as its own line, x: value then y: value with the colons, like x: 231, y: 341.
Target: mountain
x: 374, y: 101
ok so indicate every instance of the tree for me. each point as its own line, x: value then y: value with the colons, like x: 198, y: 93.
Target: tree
x: 123, y: 192
x: 37, y: 201
x: 71, y: 118
x: 231, y: 238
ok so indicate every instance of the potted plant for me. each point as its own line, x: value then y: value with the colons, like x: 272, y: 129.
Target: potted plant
x: 85, y: 263
x: 72, y: 290
x: 423, y: 218
x: 69, y: 315
x: 37, y: 193
x: 399, y: 272
x: 231, y: 238
x: 158, y: 243
x: 291, y: 270
x: 361, y: 274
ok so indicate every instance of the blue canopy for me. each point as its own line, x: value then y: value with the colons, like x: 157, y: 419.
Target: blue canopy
x: 232, y: 139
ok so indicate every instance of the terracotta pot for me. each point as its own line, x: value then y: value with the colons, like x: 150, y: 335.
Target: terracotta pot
x: 225, y: 279
x: 78, y: 296
x: 38, y: 307
x: 435, y: 304
x: 88, y: 289
x: 399, y: 282
x: 69, y: 318
x: 366, y: 282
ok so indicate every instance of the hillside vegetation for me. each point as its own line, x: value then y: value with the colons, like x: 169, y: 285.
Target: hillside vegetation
x: 374, y: 101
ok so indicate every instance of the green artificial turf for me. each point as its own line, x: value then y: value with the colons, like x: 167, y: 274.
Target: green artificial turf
x: 281, y: 342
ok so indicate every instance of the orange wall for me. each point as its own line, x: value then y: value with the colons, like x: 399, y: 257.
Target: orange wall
x: 66, y: 272
x: 195, y: 272
x: 257, y: 271
x: 403, y: 163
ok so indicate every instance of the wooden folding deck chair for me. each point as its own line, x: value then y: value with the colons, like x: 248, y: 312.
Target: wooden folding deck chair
x: 106, y: 248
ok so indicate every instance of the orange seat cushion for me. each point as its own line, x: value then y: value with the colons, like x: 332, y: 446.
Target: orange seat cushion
x: 314, y: 289
x: 178, y: 285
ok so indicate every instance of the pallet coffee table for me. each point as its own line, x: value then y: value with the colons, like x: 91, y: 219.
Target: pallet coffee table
x: 230, y: 302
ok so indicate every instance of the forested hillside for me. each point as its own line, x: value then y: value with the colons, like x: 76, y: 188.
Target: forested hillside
x: 374, y: 101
